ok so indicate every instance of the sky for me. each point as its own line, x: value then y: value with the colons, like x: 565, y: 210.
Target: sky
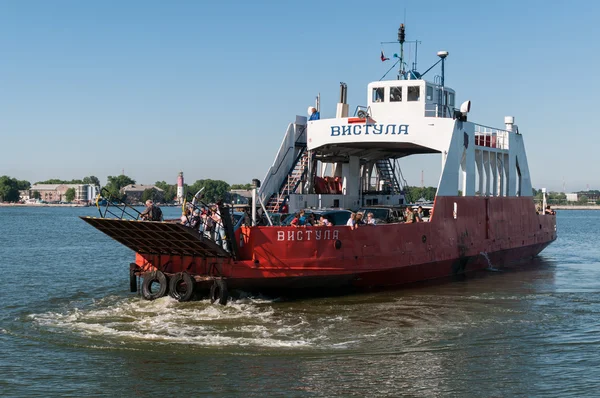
x: 152, y: 88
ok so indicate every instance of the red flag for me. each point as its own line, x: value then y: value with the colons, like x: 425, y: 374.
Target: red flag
x: 383, y: 57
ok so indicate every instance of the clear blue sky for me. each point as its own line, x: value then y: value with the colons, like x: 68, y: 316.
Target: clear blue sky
x: 207, y: 87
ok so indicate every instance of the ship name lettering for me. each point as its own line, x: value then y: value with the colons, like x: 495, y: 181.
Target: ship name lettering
x: 336, y: 234
x: 280, y: 236
x: 308, y: 233
x: 327, y: 235
x: 300, y: 237
x: 360, y: 129
x: 318, y: 235
x: 290, y: 235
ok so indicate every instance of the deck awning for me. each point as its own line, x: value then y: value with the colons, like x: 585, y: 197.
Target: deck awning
x: 154, y: 237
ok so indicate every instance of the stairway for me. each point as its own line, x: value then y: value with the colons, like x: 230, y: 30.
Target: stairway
x: 386, y: 173
x: 290, y: 184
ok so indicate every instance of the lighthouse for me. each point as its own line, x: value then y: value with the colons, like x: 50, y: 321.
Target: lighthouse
x: 180, y: 187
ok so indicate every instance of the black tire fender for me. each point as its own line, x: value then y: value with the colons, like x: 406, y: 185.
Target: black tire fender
x: 218, y: 291
x: 185, y: 281
x: 149, y: 279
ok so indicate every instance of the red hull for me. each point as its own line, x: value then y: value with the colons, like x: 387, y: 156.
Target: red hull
x: 505, y: 229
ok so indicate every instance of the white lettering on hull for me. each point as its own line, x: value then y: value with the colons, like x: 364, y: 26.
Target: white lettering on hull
x: 308, y: 235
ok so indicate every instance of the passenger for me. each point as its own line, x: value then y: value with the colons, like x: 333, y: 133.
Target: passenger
x: 152, y: 212
x: 285, y: 208
x: 410, y: 216
x: 207, y: 224
x: 219, y: 229
x: 296, y: 220
x: 310, y: 221
x: 352, y: 221
x: 359, y: 219
x: 420, y: 213
x: 195, y: 219
x: 549, y: 211
x: 370, y: 219
x: 417, y: 218
x: 302, y: 218
x: 313, y: 113
x: 324, y: 222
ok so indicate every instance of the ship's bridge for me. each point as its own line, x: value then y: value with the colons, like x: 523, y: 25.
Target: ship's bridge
x: 410, y: 97
x: 401, y: 118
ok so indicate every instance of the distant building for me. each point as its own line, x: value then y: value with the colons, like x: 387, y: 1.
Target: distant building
x: 241, y: 196
x: 134, y: 192
x: 592, y: 196
x: 84, y: 193
x: 571, y: 197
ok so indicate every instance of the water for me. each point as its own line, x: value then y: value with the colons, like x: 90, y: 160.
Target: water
x: 69, y: 326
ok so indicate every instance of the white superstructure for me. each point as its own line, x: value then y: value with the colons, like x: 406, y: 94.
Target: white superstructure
x: 401, y: 118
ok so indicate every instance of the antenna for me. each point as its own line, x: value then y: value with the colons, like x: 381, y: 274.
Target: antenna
x: 401, y: 38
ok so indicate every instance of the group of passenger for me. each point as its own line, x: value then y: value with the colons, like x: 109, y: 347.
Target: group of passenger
x: 357, y: 219
x: 413, y: 215
x: 302, y: 220
x: 207, y: 221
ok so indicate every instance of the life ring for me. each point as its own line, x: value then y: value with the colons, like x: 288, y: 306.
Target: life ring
x: 181, y: 286
x: 218, y: 291
x: 148, y: 292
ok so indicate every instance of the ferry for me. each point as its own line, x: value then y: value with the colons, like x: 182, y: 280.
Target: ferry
x: 483, y: 212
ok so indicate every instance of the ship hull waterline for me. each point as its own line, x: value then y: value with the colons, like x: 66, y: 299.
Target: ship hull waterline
x: 486, y: 232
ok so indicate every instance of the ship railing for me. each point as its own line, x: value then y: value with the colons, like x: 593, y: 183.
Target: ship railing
x: 491, y: 137
x: 113, y: 205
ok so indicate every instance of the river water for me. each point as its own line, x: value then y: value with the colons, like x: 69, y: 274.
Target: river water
x: 69, y: 326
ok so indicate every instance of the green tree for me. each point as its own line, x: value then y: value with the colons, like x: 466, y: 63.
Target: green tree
x: 598, y: 202
x: 149, y: 193
x: 57, y: 181
x: 242, y: 186
x: 115, y: 183
x: 583, y: 199
x: 9, y: 189
x: 170, y: 190
x: 36, y: 195
x: 70, y: 194
x: 214, y: 190
x: 92, y: 180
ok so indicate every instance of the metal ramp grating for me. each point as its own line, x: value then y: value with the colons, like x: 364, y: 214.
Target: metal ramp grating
x: 150, y: 237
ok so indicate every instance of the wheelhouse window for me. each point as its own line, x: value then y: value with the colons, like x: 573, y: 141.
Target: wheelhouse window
x: 451, y: 100
x: 414, y: 93
x: 429, y: 93
x: 378, y: 94
x: 395, y: 94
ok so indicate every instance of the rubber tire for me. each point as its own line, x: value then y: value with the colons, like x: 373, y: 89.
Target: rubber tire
x: 218, y: 291
x: 154, y: 277
x: 175, y: 282
x: 132, y: 282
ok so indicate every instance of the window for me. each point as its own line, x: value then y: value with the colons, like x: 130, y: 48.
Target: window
x: 413, y: 93
x: 395, y: 94
x: 378, y: 94
x: 451, y: 100
x: 429, y: 93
